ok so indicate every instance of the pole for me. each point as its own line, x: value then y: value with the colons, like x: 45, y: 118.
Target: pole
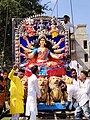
x: 13, y: 42
x: 54, y: 8
x: 57, y: 8
x: 4, y: 43
x: 73, y: 24
x: 72, y: 13
x: 74, y: 35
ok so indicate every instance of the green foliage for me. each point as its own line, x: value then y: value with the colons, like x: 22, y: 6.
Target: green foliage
x: 6, y: 118
x: 14, y: 9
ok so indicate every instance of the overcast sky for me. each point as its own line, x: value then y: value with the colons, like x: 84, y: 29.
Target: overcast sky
x: 81, y: 10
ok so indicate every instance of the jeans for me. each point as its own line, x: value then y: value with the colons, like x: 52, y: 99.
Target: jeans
x: 83, y: 109
x: 86, y: 110
x: 78, y: 113
x: 15, y: 117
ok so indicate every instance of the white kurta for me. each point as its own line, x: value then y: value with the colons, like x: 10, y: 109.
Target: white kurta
x: 76, y: 82
x: 75, y: 91
x: 72, y: 92
x: 72, y: 89
x: 73, y: 64
x: 69, y: 25
x: 86, y: 88
x: 33, y: 89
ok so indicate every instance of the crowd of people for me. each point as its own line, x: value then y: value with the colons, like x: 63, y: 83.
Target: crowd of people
x: 78, y: 91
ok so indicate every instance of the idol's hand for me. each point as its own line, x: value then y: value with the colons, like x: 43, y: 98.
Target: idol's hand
x: 62, y: 39
x: 25, y: 38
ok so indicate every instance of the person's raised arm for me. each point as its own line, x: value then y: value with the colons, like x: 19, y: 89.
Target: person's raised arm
x: 11, y: 74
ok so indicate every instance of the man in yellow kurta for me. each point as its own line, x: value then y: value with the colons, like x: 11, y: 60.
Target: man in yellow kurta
x: 16, y: 93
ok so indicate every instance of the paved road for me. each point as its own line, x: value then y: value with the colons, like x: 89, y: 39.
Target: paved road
x: 50, y: 116
x: 57, y: 116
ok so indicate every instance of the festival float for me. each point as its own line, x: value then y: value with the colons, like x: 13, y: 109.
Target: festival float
x: 43, y: 41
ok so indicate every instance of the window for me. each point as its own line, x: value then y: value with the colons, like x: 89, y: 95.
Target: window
x: 86, y: 57
x: 85, y: 44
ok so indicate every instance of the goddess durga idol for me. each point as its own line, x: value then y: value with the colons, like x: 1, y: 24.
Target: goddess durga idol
x: 47, y: 55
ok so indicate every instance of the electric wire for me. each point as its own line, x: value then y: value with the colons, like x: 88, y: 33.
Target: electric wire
x: 54, y: 8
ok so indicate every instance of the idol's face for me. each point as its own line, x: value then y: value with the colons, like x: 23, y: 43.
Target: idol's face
x: 42, y: 41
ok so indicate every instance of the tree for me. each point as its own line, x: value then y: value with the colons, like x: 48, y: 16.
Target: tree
x: 14, y: 9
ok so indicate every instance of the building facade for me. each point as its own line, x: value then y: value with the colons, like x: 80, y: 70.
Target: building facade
x: 80, y: 46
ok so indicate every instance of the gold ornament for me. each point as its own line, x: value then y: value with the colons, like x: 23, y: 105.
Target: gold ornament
x: 42, y: 35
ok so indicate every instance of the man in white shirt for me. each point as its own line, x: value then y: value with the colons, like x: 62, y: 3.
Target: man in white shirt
x: 33, y: 90
x: 85, y: 83
x: 84, y: 88
x: 76, y: 91
x: 75, y: 83
x: 73, y: 64
x: 82, y: 95
x: 68, y: 24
